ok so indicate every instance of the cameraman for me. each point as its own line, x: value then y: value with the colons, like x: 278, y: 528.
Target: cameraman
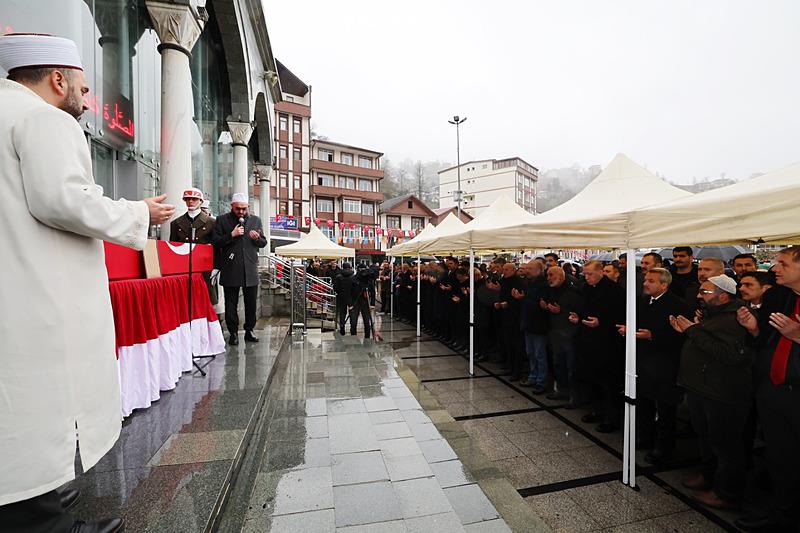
x: 363, y: 287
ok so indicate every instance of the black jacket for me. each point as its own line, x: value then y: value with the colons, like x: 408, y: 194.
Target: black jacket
x: 343, y: 286
x: 533, y: 319
x: 716, y: 358
x: 778, y: 299
x: 601, y: 349
x: 509, y: 317
x: 685, y: 285
x: 569, y: 300
x: 238, y: 257
x: 657, y: 359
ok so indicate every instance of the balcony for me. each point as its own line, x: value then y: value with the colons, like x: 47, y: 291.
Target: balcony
x: 357, y: 218
x: 350, y: 170
x: 338, y: 192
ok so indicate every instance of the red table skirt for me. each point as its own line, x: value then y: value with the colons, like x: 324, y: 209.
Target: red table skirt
x: 155, y: 339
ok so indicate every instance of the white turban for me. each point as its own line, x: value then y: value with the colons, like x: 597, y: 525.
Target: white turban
x: 240, y: 198
x: 30, y: 50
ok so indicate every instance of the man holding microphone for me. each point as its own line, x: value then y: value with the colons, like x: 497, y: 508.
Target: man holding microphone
x: 238, y: 235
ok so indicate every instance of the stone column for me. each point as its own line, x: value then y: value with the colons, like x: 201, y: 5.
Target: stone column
x: 178, y: 27
x: 265, y: 180
x: 208, y: 129
x: 240, y: 133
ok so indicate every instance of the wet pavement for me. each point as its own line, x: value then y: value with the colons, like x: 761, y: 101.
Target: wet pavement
x: 354, y: 443
x: 568, y: 473
x: 172, y: 462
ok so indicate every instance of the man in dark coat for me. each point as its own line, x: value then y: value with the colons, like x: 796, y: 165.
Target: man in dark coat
x: 716, y: 371
x: 777, y: 391
x: 180, y: 230
x: 511, y: 339
x: 363, y: 285
x: 238, y: 236
x: 601, y: 359
x: 684, y: 274
x: 658, y: 350
x: 343, y: 286
x: 559, y: 301
x: 533, y: 324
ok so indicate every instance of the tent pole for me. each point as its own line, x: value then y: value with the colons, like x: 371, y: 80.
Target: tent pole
x: 471, y: 312
x: 391, y: 288
x: 629, y: 443
x: 419, y: 309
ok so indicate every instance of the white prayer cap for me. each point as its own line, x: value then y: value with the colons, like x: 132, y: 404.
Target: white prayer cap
x: 724, y: 283
x: 240, y: 198
x: 37, y: 50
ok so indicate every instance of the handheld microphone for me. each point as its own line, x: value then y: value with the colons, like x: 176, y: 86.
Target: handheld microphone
x: 241, y: 221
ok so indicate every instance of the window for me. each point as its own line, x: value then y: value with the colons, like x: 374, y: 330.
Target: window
x: 410, y: 204
x: 325, y: 155
x: 347, y: 183
x: 326, y: 180
x: 283, y: 120
x: 284, y: 181
x: 352, y: 233
x: 328, y: 231
x: 364, y: 162
x: 367, y: 209
x: 371, y: 233
x: 298, y: 182
x: 284, y: 208
x: 283, y: 151
x: 519, y: 195
x: 417, y: 223
x: 298, y: 154
x: 346, y: 159
x: 351, y: 206
x: 297, y: 126
x: 365, y: 185
x: 297, y: 210
x: 393, y: 221
x: 325, y: 205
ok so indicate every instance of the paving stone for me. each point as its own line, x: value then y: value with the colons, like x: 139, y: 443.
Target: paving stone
x: 437, y: 450
x: 400, y: 447
x: 438, y: 523
x: 471, y: 504
x: 395, y: 430
x: 317, y: 521
x: 385, y: 417
x: 350, y: 468
x: 420, y: 497
x: 365, y: 503
x: 451, y: 474
x: 407, y: 467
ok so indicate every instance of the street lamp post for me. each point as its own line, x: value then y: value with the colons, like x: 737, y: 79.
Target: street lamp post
x: 459, y: 193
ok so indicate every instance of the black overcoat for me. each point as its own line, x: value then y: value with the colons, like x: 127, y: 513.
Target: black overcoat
x: 238, y: 257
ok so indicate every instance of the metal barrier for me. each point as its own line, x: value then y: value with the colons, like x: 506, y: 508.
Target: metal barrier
x: 316, y: 292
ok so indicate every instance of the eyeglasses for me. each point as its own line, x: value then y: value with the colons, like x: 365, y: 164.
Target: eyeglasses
x: 708, y: 291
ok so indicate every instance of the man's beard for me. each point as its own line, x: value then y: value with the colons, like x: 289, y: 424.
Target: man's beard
x: 72, y: 105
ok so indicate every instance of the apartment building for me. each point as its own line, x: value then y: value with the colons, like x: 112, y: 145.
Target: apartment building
x: 483, y: 181
x: 289, y: 191
x: 345, y: 188
x: 405, y: 213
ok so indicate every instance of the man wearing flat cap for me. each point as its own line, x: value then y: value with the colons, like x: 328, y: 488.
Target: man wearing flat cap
x: 238, y: 236
x: 716, y: 371
x: 59, y: 381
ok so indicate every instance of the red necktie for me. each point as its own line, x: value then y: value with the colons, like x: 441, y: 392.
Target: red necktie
x: 780, y: 358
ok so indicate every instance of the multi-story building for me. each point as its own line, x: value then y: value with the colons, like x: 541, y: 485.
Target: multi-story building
x: 405, y: 213
x: 483, y: 181
x: 289, y: 190
x: 345, y: 188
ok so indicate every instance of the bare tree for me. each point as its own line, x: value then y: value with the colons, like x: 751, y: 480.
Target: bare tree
x: 419, y: 175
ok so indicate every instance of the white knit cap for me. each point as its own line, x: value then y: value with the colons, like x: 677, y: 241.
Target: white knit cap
x: 240, y: 198
x: 36, y: 50
x: 724, y: 283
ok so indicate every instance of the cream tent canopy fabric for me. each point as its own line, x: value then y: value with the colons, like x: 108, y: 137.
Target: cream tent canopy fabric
x: 411, y: 247
x: 451, y: 224
x: 315, y: 244
x: 503, y: 214
x: 762, y: 209
x: 597, y: 217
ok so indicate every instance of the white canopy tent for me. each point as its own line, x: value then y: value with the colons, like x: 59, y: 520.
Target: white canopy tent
x: 315, y: 244
x: 762, y: 209
x: 597, y: 217
x: 450, y: 223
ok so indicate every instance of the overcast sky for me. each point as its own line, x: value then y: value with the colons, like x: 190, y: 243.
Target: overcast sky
x: 688, y: 88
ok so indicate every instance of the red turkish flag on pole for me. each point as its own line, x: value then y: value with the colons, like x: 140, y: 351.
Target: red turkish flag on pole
x: 277, y: 217
x: 378, y: 231
x: 329, y: 223
x: 341, y: 225
x: 308, y: 221
x: 316, y: 221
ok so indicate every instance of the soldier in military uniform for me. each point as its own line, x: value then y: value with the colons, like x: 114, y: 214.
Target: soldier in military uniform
x: 180, y: 230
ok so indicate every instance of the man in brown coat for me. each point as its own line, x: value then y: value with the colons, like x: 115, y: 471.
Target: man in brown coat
x: 180, y: 230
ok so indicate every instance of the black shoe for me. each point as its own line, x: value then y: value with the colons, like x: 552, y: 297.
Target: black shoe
x: 537, y: 389
x: 110, y: 525
x: 249, y: 337
x: 234, y: 340
x: 589, y: 418
x: 557, y: 396
x: 341, y: 332
x: 658, y: 456
x: 69, y: 498
x: 607, y: 428
x: 764, y: 522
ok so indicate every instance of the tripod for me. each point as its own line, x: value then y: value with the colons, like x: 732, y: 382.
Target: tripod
x: 191, y: 337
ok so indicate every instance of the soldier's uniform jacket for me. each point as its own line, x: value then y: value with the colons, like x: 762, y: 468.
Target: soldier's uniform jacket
x: 180, y: 230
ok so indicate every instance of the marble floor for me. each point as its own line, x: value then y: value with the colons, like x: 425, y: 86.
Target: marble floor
x: 567, y: 472
x: 173, y: 460
x: 353, y: 444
